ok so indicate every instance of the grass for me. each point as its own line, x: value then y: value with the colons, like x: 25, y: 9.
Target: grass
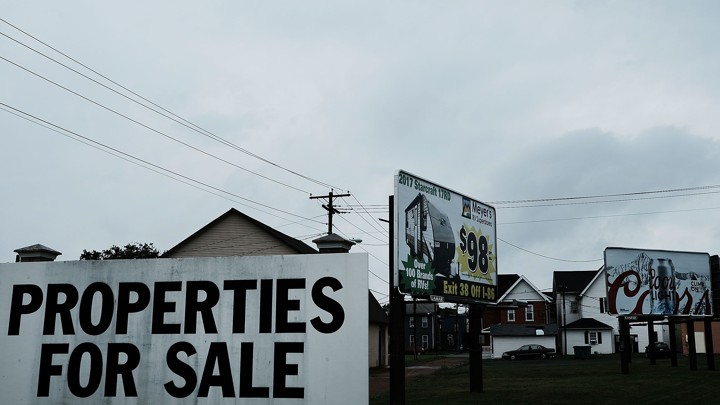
x: 565, y: 380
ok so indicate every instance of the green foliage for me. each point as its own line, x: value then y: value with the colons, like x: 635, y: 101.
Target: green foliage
x: 133, y: 250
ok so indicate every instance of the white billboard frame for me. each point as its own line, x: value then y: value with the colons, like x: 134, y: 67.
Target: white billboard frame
x: 445, y: 243
x: 191, y: 329
x: 649, y: 282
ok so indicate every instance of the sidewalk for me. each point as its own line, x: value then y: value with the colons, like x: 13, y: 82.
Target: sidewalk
x: 380, y: 378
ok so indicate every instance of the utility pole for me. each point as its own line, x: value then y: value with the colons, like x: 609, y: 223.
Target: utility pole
x: 329, y: 206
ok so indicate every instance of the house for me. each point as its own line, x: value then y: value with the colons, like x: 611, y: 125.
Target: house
x: 420, y: 326
x: 236, y: 234
x: 699, y: 327
x: 378, y: 334
x: 452, y: 330
x: 522, y: 315
x: 433, y: 327
x: 581, y: 301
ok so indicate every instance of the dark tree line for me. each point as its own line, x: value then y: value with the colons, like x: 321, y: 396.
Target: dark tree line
x: 133, y: 250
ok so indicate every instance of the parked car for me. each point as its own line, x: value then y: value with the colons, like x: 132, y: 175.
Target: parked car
x: 529, y: 351
x: 661, y: 350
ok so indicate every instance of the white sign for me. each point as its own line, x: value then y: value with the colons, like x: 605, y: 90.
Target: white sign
x: 271, y: 329
x: 445, y: 243
x: 657, y: 282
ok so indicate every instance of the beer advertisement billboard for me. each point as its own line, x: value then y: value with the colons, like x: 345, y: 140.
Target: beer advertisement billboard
x: 658, y: 282
x: 445, y: 243
x: 266, y: 329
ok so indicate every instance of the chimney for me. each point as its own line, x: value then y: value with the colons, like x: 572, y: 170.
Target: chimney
x: 333, y: 243
x: 36, y: 253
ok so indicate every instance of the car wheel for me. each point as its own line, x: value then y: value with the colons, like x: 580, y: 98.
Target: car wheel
x: 513, y: 357
x: 543, y: 356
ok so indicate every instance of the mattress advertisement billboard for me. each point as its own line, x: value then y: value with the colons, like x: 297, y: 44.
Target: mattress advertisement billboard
x: 445, y: 243
x: 658, y: 282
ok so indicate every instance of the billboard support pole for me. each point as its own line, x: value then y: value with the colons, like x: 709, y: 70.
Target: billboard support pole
x: 709, y: 348
x: 651, y: 341
x: 626, y: 346
x: 673, y: 342
x: 397, y: 323
x: 692, y: 355
x: 475, y: 348
x: 415, y: 328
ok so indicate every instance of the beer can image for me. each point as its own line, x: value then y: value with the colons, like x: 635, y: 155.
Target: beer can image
x: 662, y: 282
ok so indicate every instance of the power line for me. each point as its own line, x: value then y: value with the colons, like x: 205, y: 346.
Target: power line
x: 548, y: 257
x: 588, y: 197
x: 364, y: 231
x: 302, y: 220
x: 150, y: 128
x: 369, y: 253
x: 331, y: 209
x: 606, y: 216
x: 58, y: 128
x: 189, y: 125
x: 611, y: 201
x: 382, y: 229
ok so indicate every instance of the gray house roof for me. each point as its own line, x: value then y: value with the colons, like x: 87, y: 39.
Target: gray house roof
x: 587, y: 323
x: 36, y: 248
x: 233, y: 244
x: 375, y: 311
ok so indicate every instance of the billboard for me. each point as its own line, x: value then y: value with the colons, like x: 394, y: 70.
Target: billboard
x: 271, y: 329
x: 445, y: 243
x: 658, y: 282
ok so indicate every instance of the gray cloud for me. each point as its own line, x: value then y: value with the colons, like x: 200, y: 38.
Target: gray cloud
x: 493, y: 99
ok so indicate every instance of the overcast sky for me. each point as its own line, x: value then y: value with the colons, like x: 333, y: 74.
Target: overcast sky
x: 498, y: 100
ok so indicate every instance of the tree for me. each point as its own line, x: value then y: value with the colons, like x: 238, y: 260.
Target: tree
x: 133, y: 250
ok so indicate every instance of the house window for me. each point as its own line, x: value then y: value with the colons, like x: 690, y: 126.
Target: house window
x: 593, y: 338
x: 511, y: 315
x: 425, y: 341
x: 412, y: 322
x: 424, y: 322
x: 602, y: 305
x: 412, y: 340
x: 573, y: 307
x: 529, y: 313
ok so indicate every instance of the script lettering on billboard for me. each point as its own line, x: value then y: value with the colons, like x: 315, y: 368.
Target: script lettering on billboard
x: 648, y: 282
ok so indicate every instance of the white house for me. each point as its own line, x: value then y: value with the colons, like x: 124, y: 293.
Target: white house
x: 581, y: 301
x: 521, y: 316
